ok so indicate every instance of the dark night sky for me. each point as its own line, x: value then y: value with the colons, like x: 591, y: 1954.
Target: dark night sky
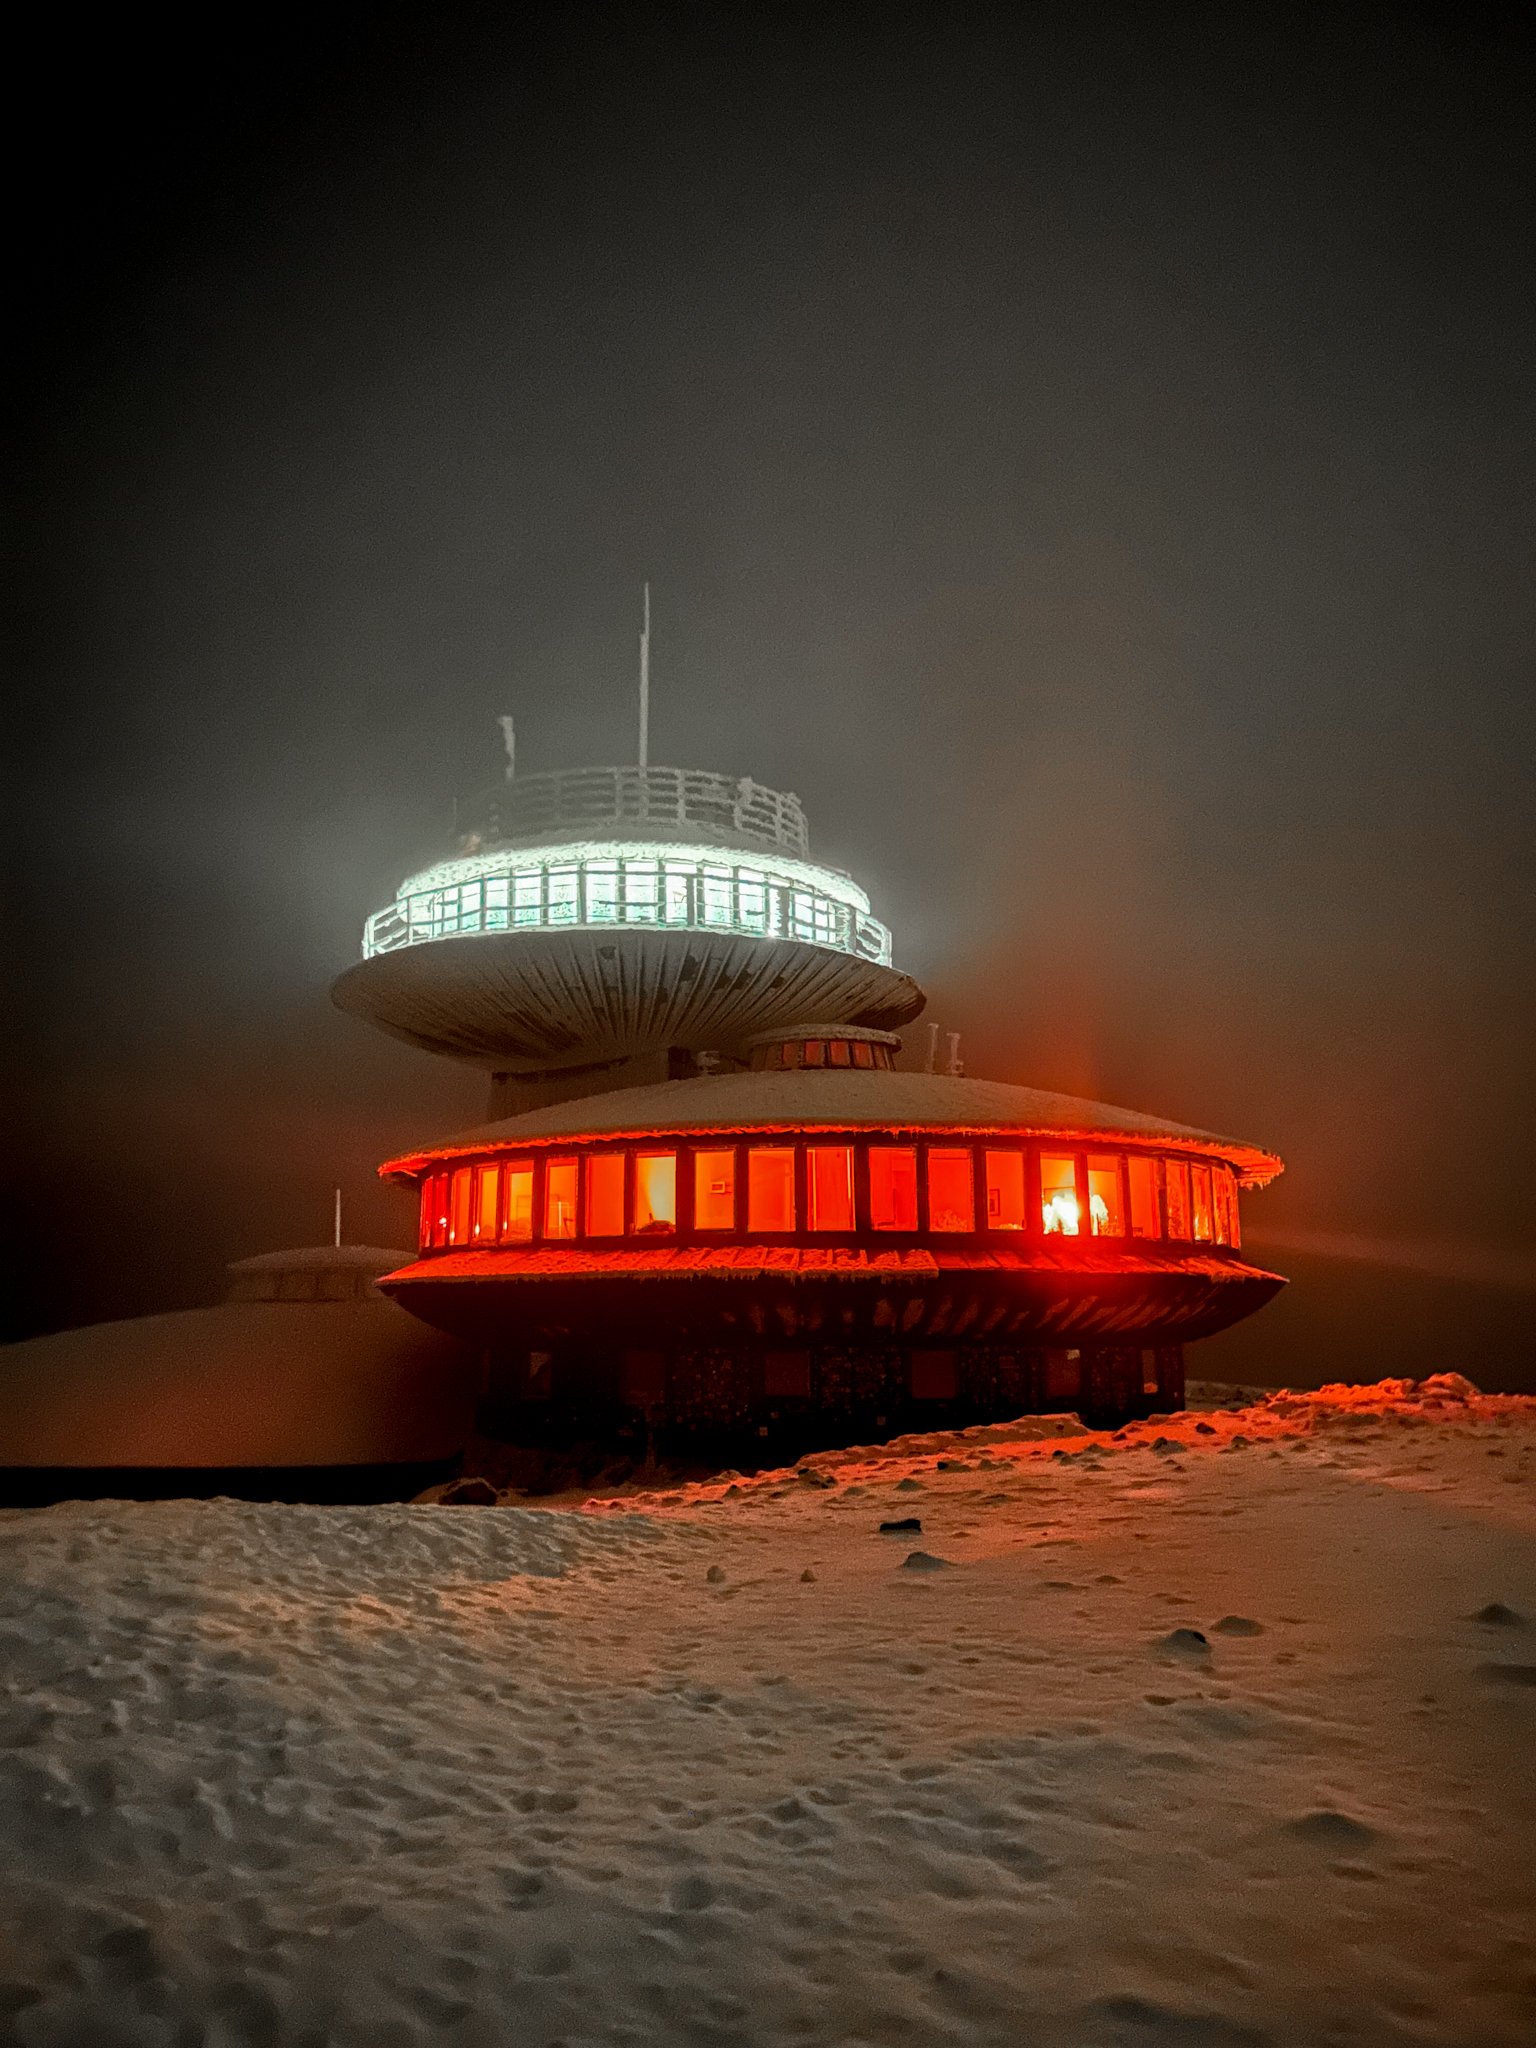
x: 1089, y: 459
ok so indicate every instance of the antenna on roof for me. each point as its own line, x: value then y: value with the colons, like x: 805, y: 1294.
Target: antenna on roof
x: 933, y: 1049
x: 338, y: 1219
x: 509, y: 741
x: 645, y: 682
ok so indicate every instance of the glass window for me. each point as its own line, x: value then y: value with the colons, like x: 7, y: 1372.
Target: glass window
x: 892, y: 1187
x: 428, y: 1204
x: 605, y: 1194
x: 863, y: 1053
x: 640, y: 881
x: 655, y: 1193
x: 1176, y: 1181
x: 1058, y: 1194
x: 602, y: 886
x: 560, y: 1198
x: 829, y: 1179
x: 1234, y: 1236
x: 517, y: 1205
x: 528, y: 896
x: 460, y: 1193
x: 813, y: 1052
x: 951, y: 1197
x: 677, y: 895
x: 1106, y: 1215
x: 770, y: 1188
x: 1200, y: 1188
x: 564, y: 895
x: 487, y: 1196
x: 439, y: 1208
x: 837, y: 1053
x: 1142, y: 1173
x: 1005, y: 1191
x: 714, y: 1190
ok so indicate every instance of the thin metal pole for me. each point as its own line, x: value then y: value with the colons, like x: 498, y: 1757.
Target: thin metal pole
x: 338, y: 1219
x: 645, y: 683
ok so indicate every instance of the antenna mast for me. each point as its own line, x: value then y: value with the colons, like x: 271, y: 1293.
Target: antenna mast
x: 338, y: 1219
x: 645, y: 683
x: 509, y: 741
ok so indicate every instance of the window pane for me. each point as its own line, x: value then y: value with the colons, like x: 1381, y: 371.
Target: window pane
x: 1176, y: 1179
x: 813, y: 1052
x: 1145, y: 1221
x: 770, y: 1188
x: 863, y: 1053
x: 714, y: 1190
x: 655, y: 1192
x: 1200, y: 1182
x: 951, y: 1198
x: 459, y: 1193
x: 837, y: 1053
x: 428, y: 1204
x: 439, y: 1208
x: 829, y: 1173
x: 1234, y: 1222
x: 560, y: 1198
x: 1058, y: 1195
x: 1105, y: 1213
x: 1005, y: 1191
x: 1220, y: 1182
x: 487, y: 1194
x: 517, y: 1208
x: 605, y: 1194
x: 892, y: 1187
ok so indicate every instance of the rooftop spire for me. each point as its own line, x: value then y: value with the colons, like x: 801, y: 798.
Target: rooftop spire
x: 645, y: 681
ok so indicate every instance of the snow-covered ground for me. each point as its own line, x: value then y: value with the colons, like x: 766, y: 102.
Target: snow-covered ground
x: 729, y: 1765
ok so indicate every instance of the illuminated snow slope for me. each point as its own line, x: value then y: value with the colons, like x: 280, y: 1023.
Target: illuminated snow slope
x: 725, y: 1767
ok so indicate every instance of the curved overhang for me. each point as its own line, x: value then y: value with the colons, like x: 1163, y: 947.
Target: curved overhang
x: 529, y: 1001
x: 840, y: 1100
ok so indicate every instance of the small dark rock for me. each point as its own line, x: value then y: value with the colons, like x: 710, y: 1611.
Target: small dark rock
x: 1185, y: 1642
x: 468, y: 1493
x: 904, y: 1527
x: 1204, y: 1429
x: 715, y: 1574
x: 807, y: 1577
x: 920, y: 1561
x: 1238, y: 1625
x: 1330, y: 1830
x: 1507, y: 1674
x: 1497, y: 1615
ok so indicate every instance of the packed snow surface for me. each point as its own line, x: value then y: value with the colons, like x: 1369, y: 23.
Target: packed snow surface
x: 1218, y: 1732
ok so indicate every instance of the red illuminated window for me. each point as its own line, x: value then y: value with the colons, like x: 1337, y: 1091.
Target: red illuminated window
x: 439, y: 1209
x: 517, y: 1205
x: 1176, y: 1181
x: 863, y: 1053
x: 714, y: 1190
x: 837, y: 1053
x: 424, y: 1226
x: 1005, y: 1191
x: 892, y: 1187
x: 460, y: 1193
x: 560, y: 1198
x: 813, y: 1052
x: 487, y: 1201
x: 829, y: 1184
x: 655, y: 1193
x: 1226, y: 1208
x: 1058, y: 1195
x: 1200, y: 1204
x: 951, y: 1195
x: 1106, y: 1214
x: 605, y: 1194
x: 1142, y: 1174
x: 770, y: 1188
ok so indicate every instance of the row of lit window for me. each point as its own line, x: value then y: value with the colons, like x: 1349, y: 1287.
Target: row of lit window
x: 778, y: 1189
x: 644, y: 892
x: 821, y: 1052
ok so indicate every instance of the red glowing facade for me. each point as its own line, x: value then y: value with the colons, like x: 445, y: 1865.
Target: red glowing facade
x: 785, y: 1236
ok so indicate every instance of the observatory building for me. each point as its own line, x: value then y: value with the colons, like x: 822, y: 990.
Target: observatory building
x: 707, y: 1203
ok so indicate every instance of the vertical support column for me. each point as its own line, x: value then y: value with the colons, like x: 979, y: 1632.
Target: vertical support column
x: 1170, y: 1378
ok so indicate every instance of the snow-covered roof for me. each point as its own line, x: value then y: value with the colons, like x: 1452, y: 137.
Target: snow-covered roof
x: 316, y: 1258
x: 839, y: 1099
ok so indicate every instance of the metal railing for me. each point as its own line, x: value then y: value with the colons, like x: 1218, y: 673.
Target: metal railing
x: 601, y: 894
x: 688, y: 798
